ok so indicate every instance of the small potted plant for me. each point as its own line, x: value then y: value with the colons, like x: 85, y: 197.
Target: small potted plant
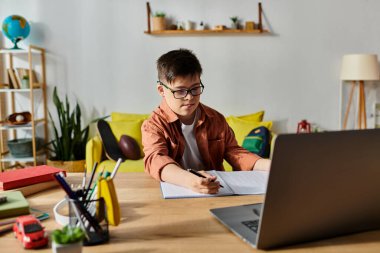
x: 235, y: 22
x: 67, y: 240
x: 159, y: 22
x: 25, y: 82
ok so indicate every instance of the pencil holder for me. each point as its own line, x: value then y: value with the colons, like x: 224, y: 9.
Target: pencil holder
x: 91, y: 216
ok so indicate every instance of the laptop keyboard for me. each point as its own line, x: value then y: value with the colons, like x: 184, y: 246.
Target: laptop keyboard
x: 252, y: 225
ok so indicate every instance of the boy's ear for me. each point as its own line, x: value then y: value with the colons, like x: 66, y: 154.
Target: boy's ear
x: 160, y: 90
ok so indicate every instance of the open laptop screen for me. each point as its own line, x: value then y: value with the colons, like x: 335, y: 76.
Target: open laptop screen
x: 321, y: 185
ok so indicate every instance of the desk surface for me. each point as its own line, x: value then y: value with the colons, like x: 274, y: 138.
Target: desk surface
x: 152, y: 224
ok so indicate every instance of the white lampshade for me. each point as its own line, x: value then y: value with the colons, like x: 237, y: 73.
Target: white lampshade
x: 360, y: 67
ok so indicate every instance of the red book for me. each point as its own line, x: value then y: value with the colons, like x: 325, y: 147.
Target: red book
x: 32, y: 175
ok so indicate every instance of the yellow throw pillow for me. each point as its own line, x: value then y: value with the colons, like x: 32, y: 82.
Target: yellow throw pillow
x: 242, y: 127
x: 131, y: 128
x: 119, y: 116
x: 257, y: 116
x: 254, y: 117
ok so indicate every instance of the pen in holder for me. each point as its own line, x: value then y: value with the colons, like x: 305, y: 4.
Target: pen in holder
x: 95, y: 225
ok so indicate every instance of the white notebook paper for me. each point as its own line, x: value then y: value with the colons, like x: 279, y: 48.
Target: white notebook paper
x: 235, y: 183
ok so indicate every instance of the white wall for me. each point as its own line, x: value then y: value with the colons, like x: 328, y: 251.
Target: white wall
x: 98, y: 53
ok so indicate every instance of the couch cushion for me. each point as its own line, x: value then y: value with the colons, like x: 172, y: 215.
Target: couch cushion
x: 131, y: 128
x: 119, y: 116
x: 242, y: 127
x: 257, y: 116
x: 126, y: 166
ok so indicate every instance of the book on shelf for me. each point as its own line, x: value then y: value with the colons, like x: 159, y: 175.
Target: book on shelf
x: 12, y: 179
x: 234, y: 183
x: 13, y: 84
x: 15, y: 205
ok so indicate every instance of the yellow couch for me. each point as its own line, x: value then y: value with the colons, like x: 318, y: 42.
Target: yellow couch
x: 130, y: 124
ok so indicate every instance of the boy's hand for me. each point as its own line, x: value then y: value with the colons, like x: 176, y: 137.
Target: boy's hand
x: 207, y: 185
x: 171, y: 173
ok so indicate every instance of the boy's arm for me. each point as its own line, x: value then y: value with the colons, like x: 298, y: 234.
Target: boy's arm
x: 262, y: 164
x: 171, y: 173
x: 156, y: 154
x: 161, y: 166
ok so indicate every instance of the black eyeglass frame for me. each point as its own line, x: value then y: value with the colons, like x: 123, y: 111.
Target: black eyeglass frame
x: 187, y: 90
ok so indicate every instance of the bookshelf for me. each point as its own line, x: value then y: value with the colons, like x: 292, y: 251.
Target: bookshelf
x: 11, y: 93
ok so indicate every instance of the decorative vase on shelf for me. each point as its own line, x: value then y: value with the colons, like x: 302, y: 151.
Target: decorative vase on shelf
x: 25, y: 82
x: 189, y: 25
x: 234, y: 23
x: 159, y: 21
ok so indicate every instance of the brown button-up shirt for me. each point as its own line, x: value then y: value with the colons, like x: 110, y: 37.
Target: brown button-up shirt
x: 164, y: 143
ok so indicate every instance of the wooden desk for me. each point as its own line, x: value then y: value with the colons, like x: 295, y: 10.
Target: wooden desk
x: 152, y: 224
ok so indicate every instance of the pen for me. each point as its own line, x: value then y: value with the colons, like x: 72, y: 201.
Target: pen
x: 84, y: 179
x: 65, y: 186
x: 91, y: 195
x: 91, y: 178
x: 116, y: 168
x: 199, y: 174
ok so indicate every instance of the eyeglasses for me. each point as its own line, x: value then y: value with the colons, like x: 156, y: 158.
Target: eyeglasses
x: 182, y: 93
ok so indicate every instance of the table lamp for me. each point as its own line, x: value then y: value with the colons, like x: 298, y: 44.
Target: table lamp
x: 359, y: 67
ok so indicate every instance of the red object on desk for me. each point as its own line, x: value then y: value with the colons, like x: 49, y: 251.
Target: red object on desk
x: 22, y: 177
x: 304, y: 127
x: 30, y: 232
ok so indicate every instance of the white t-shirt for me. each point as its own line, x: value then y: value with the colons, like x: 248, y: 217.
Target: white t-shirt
x: 191, y: 158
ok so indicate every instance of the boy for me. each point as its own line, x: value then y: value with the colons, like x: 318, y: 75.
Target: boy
x: 184, y: 134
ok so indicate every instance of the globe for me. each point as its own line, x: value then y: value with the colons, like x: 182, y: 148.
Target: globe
x: 16, y: 28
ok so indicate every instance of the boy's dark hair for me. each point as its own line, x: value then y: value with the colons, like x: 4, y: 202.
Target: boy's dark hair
x: 181, y: 62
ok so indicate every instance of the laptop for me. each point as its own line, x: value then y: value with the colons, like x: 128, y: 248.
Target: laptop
x: 320, y: 185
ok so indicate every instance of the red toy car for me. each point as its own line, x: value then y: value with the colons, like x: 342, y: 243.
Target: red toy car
x: 30, y: 232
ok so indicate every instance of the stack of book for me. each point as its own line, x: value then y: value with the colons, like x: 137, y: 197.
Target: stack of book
x: 14, y: 205
x: 29, y: 180
x: 15, y: 185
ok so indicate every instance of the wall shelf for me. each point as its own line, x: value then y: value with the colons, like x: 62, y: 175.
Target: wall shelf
x: 205, y: 32
x: 257, y: 31
x: 7, y: 90
x: 6, y: 126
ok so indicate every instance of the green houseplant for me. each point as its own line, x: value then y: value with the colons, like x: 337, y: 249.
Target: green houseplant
x: 69, y: 143
x: 68, y: 239
x: 159, y: 14
x: 235, y: 22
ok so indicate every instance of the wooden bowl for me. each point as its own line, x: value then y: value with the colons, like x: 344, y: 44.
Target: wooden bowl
x: 19, y: 118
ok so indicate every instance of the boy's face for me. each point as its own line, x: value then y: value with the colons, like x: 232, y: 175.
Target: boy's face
x: 184, y: 107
